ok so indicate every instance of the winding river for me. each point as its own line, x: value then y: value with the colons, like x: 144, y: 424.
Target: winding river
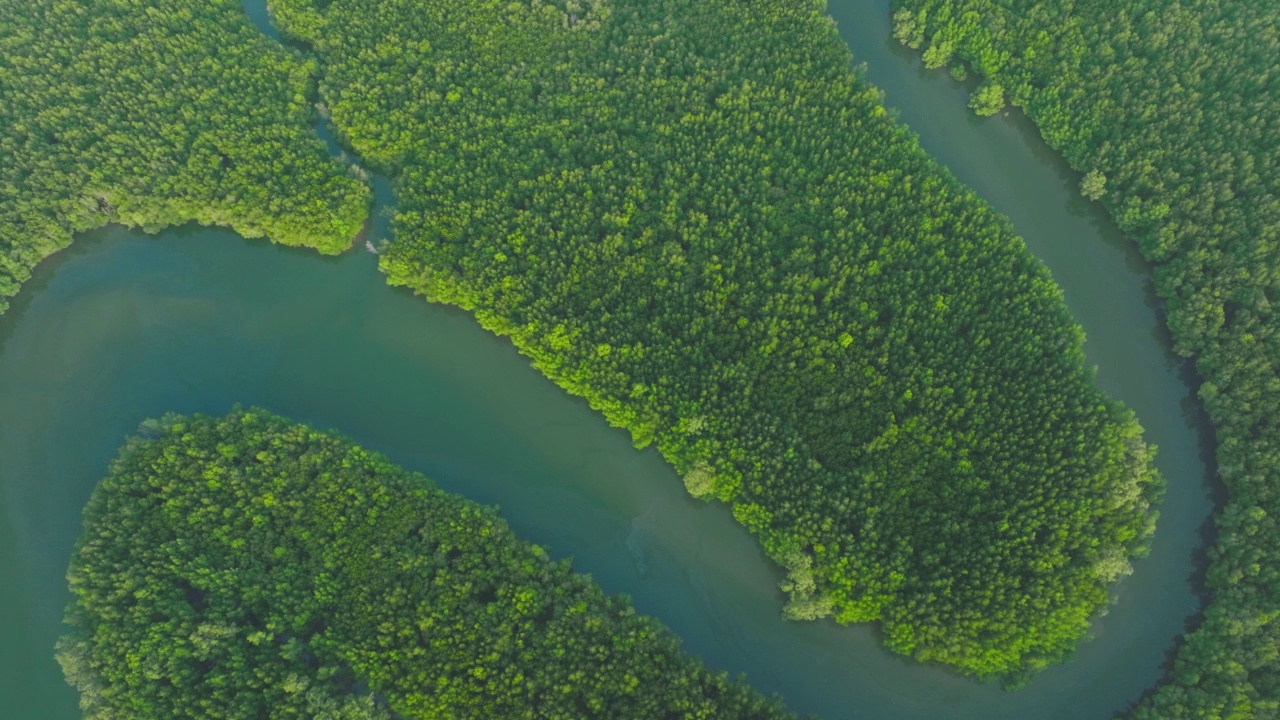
x: 126, y: 326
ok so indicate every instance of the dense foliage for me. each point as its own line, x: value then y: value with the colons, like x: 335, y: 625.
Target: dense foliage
x: 248, y: 567
x: 157, y: 113
x: 1172, y: 111
x: 696, y: 215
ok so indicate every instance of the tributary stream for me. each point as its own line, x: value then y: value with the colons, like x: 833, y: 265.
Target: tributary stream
x: 125, y: 326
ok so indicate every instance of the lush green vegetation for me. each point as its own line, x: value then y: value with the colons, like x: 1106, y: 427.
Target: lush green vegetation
x: 1172, y: 111
x: 249, y: 567
x: 157, y: 113
x: 697, y: 216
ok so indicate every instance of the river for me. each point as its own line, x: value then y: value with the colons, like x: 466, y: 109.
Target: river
x: 125, y: 326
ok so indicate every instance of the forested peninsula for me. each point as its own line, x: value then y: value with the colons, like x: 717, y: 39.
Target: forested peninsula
x: 699, y: 217
x: 1172, y: 112
x: 250, y: 567
x: 694, y: 214
x: 152, y: 114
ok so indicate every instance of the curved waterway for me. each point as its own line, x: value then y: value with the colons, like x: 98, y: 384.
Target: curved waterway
x: 126, y: 326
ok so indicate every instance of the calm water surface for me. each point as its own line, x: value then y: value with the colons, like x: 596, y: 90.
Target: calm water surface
x: 125, y: 326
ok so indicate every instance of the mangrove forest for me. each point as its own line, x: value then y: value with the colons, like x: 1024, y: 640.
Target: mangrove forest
x: 1172, y: 113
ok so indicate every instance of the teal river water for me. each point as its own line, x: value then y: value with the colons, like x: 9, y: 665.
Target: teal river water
x: 125, y: 326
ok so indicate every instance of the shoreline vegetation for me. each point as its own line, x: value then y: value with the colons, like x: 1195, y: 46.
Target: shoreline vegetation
x: 1171, y: 113
x: 157, y: 114
x: 251, y: 567
x: 696, y: 215
x: 700, y: 218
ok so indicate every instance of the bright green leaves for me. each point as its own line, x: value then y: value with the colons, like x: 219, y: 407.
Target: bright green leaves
x: 319, y: 581
x: 1093, y: 185
x: 157, y: 114
x: 907, y: 28
x: 988, y: 100
x: 699, y: 218
x: 1170, y: 110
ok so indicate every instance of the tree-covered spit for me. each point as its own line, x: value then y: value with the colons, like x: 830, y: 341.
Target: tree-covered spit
x: 696, y: 214
x: 153, y: 113
x: 1172, y: 112
x: 248, y: 568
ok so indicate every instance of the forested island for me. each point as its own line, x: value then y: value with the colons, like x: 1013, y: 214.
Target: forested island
x: 153, y: 114
x: 699, y: 217
x: 251, y: 567
x: 1172, y: 113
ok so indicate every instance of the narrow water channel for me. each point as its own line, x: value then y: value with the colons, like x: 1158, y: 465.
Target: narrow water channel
x: 125, y: 326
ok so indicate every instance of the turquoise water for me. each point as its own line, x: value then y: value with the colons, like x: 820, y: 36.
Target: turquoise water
x: 125, y: 326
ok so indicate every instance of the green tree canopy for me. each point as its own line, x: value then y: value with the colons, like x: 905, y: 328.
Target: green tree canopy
x: 157, y: 113
x: 988, y: 100
x: 1173, y: 111
x: 248, y: 568
x: 695, y: 214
